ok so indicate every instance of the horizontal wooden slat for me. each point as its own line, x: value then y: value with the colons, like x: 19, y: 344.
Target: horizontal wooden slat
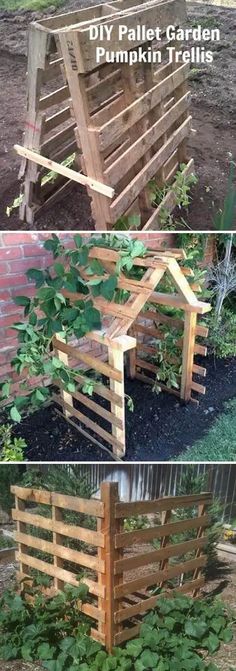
x: 148, y: 380
x: 159, y: 576
x: 80, y: 533
x: 143, y: 535
x: 66, y: 553
x: 114, y: 128
x: 98, y: 409
x: 54, y: 98
x: 198, y: 387
x: 97, y: 635
x: 60, y: 573
x: 90, y: 361
x: 64, y: 136
x: 28, y: 494
x: 130, y: 192
x: 150, y: 603
x: 126, y: 634
x: 89, y: 423
x: 103, y: 391
x: 199, y: 370
x: 173, y: 300
x: 173, y: 550
x: 57, y: 119
x: 158, y: 505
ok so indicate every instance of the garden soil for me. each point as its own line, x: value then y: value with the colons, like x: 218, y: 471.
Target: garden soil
x: 213, y: 111
x: 160, y: 428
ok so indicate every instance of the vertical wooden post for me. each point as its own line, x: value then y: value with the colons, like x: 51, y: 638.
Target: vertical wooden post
x: 116, y: 360
x: 190, y: 321
x: 57, y: 540
x: 200, y: 533
x: 65, y: 395
x: 21, y: 528
x: 166, y: 515
x: 132, y: 356
x: 110, y: 526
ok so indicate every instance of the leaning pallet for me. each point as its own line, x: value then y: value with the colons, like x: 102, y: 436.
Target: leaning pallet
x: 140, y: 123
x: 126, y: 329
x: 49, y: 124
x: 118, y: 594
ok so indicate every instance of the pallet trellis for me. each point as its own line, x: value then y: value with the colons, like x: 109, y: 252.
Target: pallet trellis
x: 127, y: 329
x: 131, y: 123
x: 118, y: 598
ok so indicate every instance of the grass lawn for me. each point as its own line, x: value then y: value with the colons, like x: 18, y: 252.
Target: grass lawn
x: 14, y: 5
x: 220, y: 443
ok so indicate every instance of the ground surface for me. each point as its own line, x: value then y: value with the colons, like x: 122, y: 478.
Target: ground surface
x: 213, y: 106
x: 159, y: 429
x: 223, y: 585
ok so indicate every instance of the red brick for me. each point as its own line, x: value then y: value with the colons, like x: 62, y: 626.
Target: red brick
x: 10, y: 253
x: 7, y: 320
x: 23, y: 265
x: 5, y: 295
x: 5, y: 370
x: 10, y: 308
x: 3, y: 268
x: 13, y: 239
x: 13, y: 281
x: 33, y: 250
x: 28, y: 290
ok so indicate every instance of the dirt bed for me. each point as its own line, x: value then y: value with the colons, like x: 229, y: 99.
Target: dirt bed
x: 213, y: 107
x: 159, y: 428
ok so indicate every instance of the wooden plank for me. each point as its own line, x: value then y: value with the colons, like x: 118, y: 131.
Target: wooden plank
x: 78, y: 504
x: 198, y: 387
x: 116, y: 360
x: 163, y: 387
x: 63, y: 170
x: 128, y: 159
x: 159, y: 576
x: 67, y: 553
x: 199, y: 370
x: 172, y: 550
x: 128, y: 195
x: 122, y: 122
x: 91, y: 361
x: 98, y: 409
x: 58, y: 560
x: 56, y: 119
x: 158, y: 505
x: 176, y: 301
x: 110, y: 526
x: 144, y: 535
x: 80, y: 533
x: 109, y: 438
x: 187, y: 355
x: 54, y: 98
x: 61, y: 574
x: 63, y: 136
x: 29, y: 494
x: 126, y: 634
x: 101, y: 390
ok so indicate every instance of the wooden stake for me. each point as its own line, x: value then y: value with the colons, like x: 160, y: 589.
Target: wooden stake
x: 190, y: 321
x: 110, y: 526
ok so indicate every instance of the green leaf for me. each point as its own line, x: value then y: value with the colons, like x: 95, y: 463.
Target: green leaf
x: 26, y: 652
x: 45, y: 651
x: 21, y: 300
x: 15, y: 415
x: 149, y: 659
x: 33, y: 319
x: 227, y: 635
x: 212, y: 643
x: 46, y: 293
x: 194, y: 628
x: 36, y: 275
x: 134, y: 648
x: 5, y: 390
x: 59, y: 269
x: 108, y: 287
x: 78, y: 240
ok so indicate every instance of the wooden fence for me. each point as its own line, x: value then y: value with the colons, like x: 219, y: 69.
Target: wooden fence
x: 122, y: 567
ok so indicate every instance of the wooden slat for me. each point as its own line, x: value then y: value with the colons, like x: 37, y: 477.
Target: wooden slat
x: 148, y: 380
x: 56, y: 119
x: 80, y: 533
x: 126, y: 634
x: 64, y: 136
x: 144, y: 535
x: 173, y: 550
x: 128, y: 195
x: 176, y: 301
x: 158, y: 505
x: 108, y: 437
x: 160, y: 576
x: 61, y: 551
x: 28, y: 494
x: 98, y: 409
x: 102, y: 391
x: 90, y: 361
x: 113, y: 129
x: 61, y: 574
x: 198, y: 387
x: 80, y: 505
x: 54, y: 98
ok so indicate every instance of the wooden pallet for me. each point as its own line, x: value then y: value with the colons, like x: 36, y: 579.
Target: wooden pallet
x: 49, y: 124
x: 126, y: 328
x: 141, y: 132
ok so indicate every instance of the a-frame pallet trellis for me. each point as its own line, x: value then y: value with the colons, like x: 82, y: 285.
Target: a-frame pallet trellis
x: 128, y: 328
x: 49, y: 124
x: 131, y: 123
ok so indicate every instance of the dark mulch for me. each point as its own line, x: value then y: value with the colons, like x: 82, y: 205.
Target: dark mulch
x: 159, y: 428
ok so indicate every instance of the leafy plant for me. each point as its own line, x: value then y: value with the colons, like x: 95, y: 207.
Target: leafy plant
x: 50, y: 312
x: 11, y: 449
x: 225, y: 219
x: 222, y: 333
x: 136, y: 522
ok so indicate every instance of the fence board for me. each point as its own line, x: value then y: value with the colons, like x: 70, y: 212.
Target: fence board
x: 80, y: 533
x: 159, y: 576
x: 158, y: 505
x: 173, y: 550
x: 61, y: 574
x: 142, y: 535
x: 67, y: 553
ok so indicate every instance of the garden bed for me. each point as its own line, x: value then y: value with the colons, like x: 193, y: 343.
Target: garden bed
x: 213, y: 104
x: 160, y: 427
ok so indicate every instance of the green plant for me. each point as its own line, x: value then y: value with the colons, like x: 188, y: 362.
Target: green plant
x: 218, y: 444
x: 11, y: 449
x: 9, y: 476
x: 225, y: 218
x: 49, y: 312
x: 126, y: 223
x: 222, y: 333
x: 6, y: 542
x: 180, y: 633
x: 136, y: 522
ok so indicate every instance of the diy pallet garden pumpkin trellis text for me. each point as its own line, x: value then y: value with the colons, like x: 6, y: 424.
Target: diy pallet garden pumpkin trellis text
x: 131, y: 123
x: 117, y: 598
x: 128, y: 329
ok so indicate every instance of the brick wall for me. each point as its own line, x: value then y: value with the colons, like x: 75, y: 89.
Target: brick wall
x: 18, y: 253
